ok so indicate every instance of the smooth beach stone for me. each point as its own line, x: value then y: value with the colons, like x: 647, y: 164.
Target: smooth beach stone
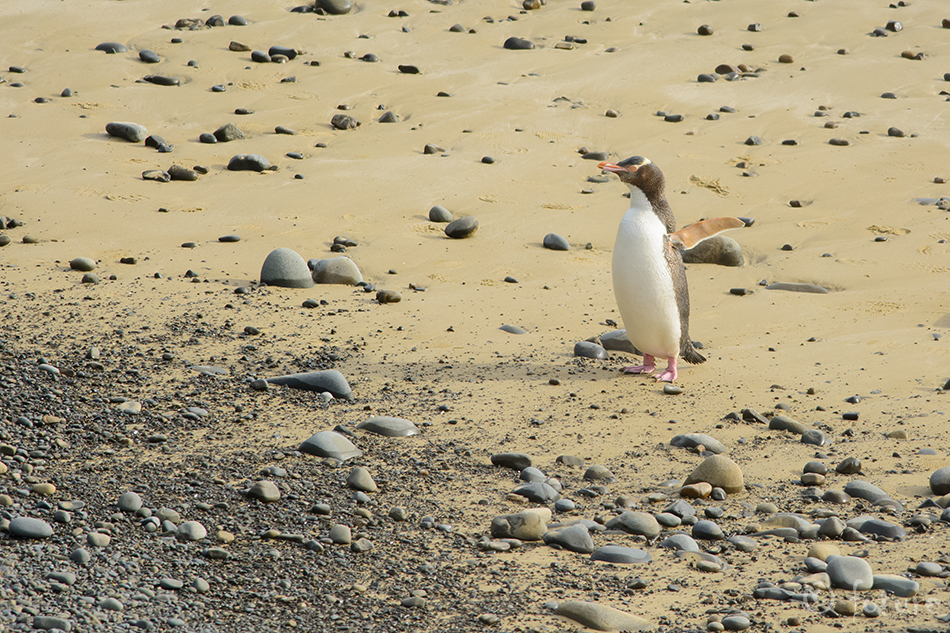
x: 30, y: 528
x: 129, y: 131
x: 330, y: 444
x: 720, y: 250
x: 462, y: 227
x: 575, y: 538
x: 130, y: 501
x: 680, y: 542
x: 337, y: 270
x: 692, y: 440
x: 736, y: 623
x: 440, y: 214
x: 260, y: 57
x: 207, y: 137
x: 84, y: 264
x: 228, y: 132
x: 112, y: 47
x: 360, y: 479
x: 191, y: 531
x: 538, y: 492
x: 248, y: 162
x: 797, y: 287
x: 325, y: 380
x: 555, y: 242
x: 149, y: 57
x: 617, y: 341
x: 719, y: 471
x: 334, y: 7
x: 158, y: 175
x: 814, y: 437
x: 707, y: 531
x: 667, y: 519
x: 389, y: 117
x: 286, y: 51
x: 864, y: 490
x: 928, y: 568
x: 389, y: 427
x: 940, y: 481
x: 264, y: 490
x: 641, y: 523
x: 231, y: 239
x: 518, y: 44
x: 850, y: 572
x: 527, y: 525
x: 599, y: 473
x: 285, y: 268
x: 785, y: 423
x: 897, y: 585
x: 849, y: 466
x: 620, y: 555
x: 532, y: 474
x: 177, y: 172
x: 238, y: 20
x: 513, y: 329
x: 586, y: 349
x: 601, y: 617
x: 280, y: 129
x: 162, y: 80
x: 515, y: 461
x: 878, y: 527
x: 344, y: 122
x: 408, y: 69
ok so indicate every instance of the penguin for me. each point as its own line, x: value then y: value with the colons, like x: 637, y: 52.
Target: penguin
x: 649, y: 277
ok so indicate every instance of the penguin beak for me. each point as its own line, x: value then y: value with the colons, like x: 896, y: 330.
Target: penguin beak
x: 617, y: 168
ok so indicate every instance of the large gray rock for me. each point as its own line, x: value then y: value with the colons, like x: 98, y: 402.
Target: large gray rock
x: 619, y: 555
x: 897, y: 585
x: 264, y: 490
x: 326, y: 380
x: 601, y: 617
x: 680, y: 542
x: 575, y: 538
x: 720, y: 250
x: 850, y: 572
x: 28, y: 527
x: 248, y: 162
x: 285, y: 268
x: 538, y: 492
x: 338, y: 270
x: 335, y: 7
x: 129, y: 131
x: 330, y: 444
x: 866, y: 491
x: 940, y: 481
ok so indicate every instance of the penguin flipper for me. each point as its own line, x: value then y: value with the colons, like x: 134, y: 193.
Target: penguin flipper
x: 690, y: 236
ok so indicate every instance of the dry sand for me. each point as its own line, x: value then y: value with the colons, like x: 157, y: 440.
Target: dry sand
x: 876, y: 335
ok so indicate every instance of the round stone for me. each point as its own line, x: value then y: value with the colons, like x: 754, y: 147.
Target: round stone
x: 264, y: 490
x: 719, y: 471
x: 631, y: 522
x: 850, y: 572
x: 85, y: 264
x: 129, y: 131
x: 248, y: 162
x: 440, y: 214
x: 341, y: 534
x: 518, y: 44
x: 337, y: 270
x: 462, y: 227
x: 330, y: 444
x: 707, y: 531
x: 112, y: 47
x: 586, y: 349
x: 555, y: 242
x: 130, y: 501
x: 286, y: 268
x: 335, y: 7
x: 360, y: 479
x: 940, y: 481
x: 191, y: 531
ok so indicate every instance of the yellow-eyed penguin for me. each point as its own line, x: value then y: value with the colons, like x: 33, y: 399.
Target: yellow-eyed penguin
x: 648, y: 274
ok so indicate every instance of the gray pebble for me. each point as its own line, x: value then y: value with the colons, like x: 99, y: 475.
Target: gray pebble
x: 680, y: 542
x: 336, y: 270
x: 83, y: 264
x: 555, y: 242
x: 285, y: 268
x: 440, y: 214
x: 389, y: 426
x: 191, y: 531
x: 325, y: 380
x: 264, y: 490
x: 691, y: 440
x: 513, y: 329
x: 360, y: 479
x: 30, y: 528
x: 518, y: 44
x: 538, y: 492
x: 575, y: 538
x: 112, y: 47
x: 940, y: 481
x: 462, y: 227
x: 707, y: 531
x: 177, y: 172
x: 586, y: 349
x: 330, y: 444
x: 641, y: 523
x: 148, y: 56
x: 248, y: 162
x: 864, y: 490
x: 228, y: 132
x: 344, y: 122
x: 129, y: 131
x: 515, y: 461
x: 850, y: 572
x: 720, y: 250
x: 130, y: 501
x: 796, y: 287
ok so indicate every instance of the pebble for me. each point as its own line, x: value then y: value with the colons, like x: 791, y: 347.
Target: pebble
x: 330, y: 444
x: 264, y: 490
x: 555, y: 242
x: 149, y: 57
x: 191, y: 531
x: 344, y: 122
x: 720, y: 250
x: 228, y: 132
x: 705, y: 29
x: 440, y: 214
x: 586, y: 349
x: 462, y: 227
x: 513, y: 329
x: 388, y: 296
x: 408, y: 69
x: 707, y: 531
x: 389, y: 426
x: 98, y: 539
x: 84, y: 264
x: 112, y: 47
x: 159, y: 175
x: 940, y: 481
x: 30, y: 528
x: 537, y: 492
x: 864, y: 490
x: 336, y: 270
x: 129, y: 131
x: 341, y: 534
x: 285, y: 268
x: 248, y: 162
x: 177, y: 172
x: 796, y: 287
x: 286, y: 51
x: 897, y: 585
x: 515, y: 461
x: 334, y: 7
x: 814, y: 437
x: 736, y: 623
x: 360, y: 479
x: 680, y: 542
x: 162, y: 80
x: 53, y: 623
x: 230, y: 239
x: 631, y: 522
x: 130, y: 501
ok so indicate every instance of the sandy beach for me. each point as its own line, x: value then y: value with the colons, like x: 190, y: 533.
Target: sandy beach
x: 844, y: 184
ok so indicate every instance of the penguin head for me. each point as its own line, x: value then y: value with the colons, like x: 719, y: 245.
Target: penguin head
x: 638, y: 172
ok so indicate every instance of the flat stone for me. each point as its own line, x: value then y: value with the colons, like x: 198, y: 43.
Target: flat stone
x: 785, y: 423
x: 440, y: 214
x: 30, y: 528
x: 112, y: 48
x: 897, y: 585
x: 389, y: 427
x: 518, y: 44
x: 797, y: 287
x: 330, y: 444
x: 707, y: 531
x: 285, y: 268
x: 599, y: 473
x: 864, y: 490
x: 360, y: 479
x: 336, y: 270
x: 878, y: 527
x: 619, y: 555
x: 335, y: 7
x: 601, y: 617
x: 537, y: 492
x: 515, y: 461
x: 617, y: 340
x: 586, y: 349
x: 52, y: 623
x: 692, y: 440
x: 326, y: 380
x: 248, y: 162
x: 680, y: 542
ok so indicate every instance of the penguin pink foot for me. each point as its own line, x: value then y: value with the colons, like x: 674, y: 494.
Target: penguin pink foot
x: 646, y: 368
x: 670, y: 374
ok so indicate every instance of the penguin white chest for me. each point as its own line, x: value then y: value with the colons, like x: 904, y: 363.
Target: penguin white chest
x: 643, y: 283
